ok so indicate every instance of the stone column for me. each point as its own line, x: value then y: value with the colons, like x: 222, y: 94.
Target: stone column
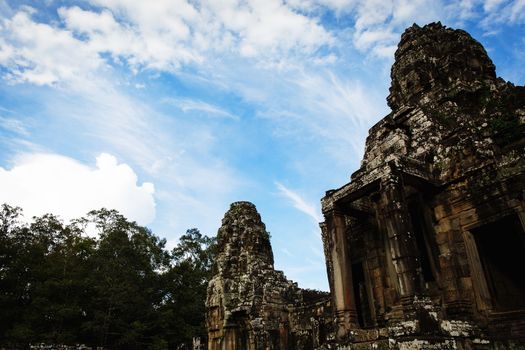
x: 284, y: 331
x: 401, y: 239
x: 230, y: 338
x: 342, y: 289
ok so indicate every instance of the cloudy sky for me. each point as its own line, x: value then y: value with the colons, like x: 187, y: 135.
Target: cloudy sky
x: 169, y: 110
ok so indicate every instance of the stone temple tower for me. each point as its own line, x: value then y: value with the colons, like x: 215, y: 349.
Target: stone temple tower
x: 249, y: 304
x: 426, y: 243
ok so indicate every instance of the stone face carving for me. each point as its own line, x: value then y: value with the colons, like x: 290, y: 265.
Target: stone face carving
x: 425, y: 246
x: 433, y: 62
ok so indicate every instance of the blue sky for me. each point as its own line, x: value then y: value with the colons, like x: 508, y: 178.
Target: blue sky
x: 169, y: 110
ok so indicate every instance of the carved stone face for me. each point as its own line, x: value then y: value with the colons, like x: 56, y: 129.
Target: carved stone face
x: 436, y: 62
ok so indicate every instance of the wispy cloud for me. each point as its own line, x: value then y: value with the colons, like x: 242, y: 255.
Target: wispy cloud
x: 299, y: 203
x: 287, y: 252
x: 187, y: 105
x: 502, y: 12
x: 14, y: 125
x: 329, y: 112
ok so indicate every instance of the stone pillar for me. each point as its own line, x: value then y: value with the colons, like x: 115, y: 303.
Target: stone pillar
x: 401, y: 239
x: 284, y: 331
x: 230, y: 338
x: 342, y: 289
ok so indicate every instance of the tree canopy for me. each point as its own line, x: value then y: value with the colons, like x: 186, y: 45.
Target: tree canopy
x: 121, y: 290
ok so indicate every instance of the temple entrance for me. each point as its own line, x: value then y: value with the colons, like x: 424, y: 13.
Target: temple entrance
x: 424, y: 246
x: 500, y: 246
x: 362, y: 301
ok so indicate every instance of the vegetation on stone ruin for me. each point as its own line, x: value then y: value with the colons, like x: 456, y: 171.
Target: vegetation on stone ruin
x: 122, y: 290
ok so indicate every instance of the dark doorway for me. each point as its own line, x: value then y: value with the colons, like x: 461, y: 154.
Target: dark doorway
x: 274, y: 339
x: 362, y: 303
x: 422, y: 240
x: 501, y: 248
x: 241, y: 321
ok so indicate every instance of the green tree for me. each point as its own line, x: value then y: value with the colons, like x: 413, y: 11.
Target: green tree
x: 61, y: 283
x: 127, y: 269
x: 121, y: 290
x: 186, y: 284
x: 15, y: 275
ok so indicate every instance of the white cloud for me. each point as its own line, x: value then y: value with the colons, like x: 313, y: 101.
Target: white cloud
x: 340, y: 6
x: 98, y: 114
x: 463, y: 10
x: 366, y: 39
x: 163, y: 35
x: 299, y: 203
x: 179, y: 154
x: 385, y: 51
x: 373, y: 12
x: 41, y: 54
x: 50, y: 183
x: 169, y: 34
x: 406, y: 9
x: 142, y: 42
x: 268, y: 26
x: 379, y: 24
x: 5, y: 9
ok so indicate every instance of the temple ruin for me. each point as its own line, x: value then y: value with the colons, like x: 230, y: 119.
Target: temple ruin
x: 252, y: 306
x: 425, y: 246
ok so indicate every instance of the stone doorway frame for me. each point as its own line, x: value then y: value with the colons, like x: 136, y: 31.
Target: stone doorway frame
x: 483, y: 296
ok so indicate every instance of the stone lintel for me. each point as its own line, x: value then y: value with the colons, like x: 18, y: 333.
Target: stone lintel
x: 409, y: 171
